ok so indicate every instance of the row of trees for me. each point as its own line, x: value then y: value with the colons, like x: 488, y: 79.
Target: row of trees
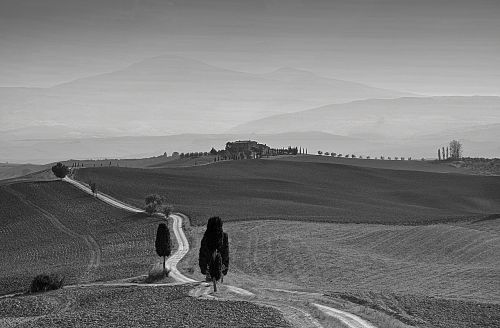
x: 333, y: 154
x: 194, y: 154
x: 453, y: 151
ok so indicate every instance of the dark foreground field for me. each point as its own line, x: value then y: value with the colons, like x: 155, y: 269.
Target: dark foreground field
x: 52, y: 227
x: 263, y: 189
x: 132, y: 307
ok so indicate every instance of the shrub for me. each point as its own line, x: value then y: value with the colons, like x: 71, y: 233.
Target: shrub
x: 157, y: 273
x: 152, y: 202
x: 44, y: 282
x: 167, y: 209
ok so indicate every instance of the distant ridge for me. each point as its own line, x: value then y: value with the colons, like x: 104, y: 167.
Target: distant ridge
x: 398, y: 118
x: 172, y: 95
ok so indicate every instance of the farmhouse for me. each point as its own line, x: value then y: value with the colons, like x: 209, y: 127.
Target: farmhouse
x: 247, y: 149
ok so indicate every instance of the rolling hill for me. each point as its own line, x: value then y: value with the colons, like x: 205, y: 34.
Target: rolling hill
x: 54, y: 227
x: 262, y: 189
x: 440, y: 275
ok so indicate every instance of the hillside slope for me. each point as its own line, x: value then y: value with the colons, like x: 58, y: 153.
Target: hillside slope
x: 53, y: 227
x: 256, y: 189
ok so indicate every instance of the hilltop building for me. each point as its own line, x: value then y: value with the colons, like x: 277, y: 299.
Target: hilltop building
x: 247, y: 149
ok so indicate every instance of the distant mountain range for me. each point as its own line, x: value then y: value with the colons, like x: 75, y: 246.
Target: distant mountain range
x: 170, y: 95
x: 395, y: 118
x: 199, y: 106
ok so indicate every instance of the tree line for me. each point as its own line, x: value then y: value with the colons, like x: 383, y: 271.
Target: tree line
x: 453, y: 151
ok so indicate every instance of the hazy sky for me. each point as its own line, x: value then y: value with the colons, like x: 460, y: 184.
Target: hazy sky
x: 422, y: 46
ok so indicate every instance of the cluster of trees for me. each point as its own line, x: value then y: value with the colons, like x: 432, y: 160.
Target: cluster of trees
x: 156, y: 203
x: 60, y: 170
x: 214, y: 252
x: 453, y: 151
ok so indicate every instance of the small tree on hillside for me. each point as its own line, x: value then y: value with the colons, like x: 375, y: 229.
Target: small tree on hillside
x: 213, y: 151
x: 320, y: 152
x: 153, y: 201
x: 60, y: 170
x: 162, y: 243
x: 93, y: 188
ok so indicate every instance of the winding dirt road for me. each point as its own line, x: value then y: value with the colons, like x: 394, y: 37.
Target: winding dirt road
x: 297, y: 315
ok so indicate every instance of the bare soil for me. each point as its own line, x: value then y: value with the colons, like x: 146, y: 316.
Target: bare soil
x: 431, y: 276
x: 133, y: 307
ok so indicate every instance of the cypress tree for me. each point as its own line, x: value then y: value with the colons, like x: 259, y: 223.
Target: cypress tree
x: 215, y: 240
x: 162, y: 243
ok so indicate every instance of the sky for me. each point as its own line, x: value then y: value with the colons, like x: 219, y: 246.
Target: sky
x: 431, y: 47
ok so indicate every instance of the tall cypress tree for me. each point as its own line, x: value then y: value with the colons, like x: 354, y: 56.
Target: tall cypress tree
x: 215, y: 240
x: 162, y: 244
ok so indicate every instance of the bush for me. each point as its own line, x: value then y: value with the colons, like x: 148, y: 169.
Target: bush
x: 153, y: 201
x: 157, y: 273
x: 44, y: 282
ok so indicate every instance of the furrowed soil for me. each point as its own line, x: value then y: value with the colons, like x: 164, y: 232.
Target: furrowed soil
x: 264, y: 189
x: 442, y: 275
x: 132, y: 307
x: 52, y: 227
